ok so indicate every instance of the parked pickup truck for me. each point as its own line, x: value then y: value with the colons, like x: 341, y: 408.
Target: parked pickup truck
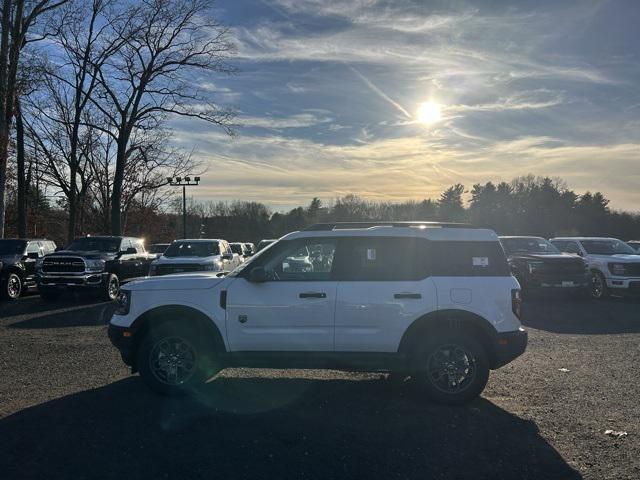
x: 93, y: 263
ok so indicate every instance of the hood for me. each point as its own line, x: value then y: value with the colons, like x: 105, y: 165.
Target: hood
x: 183, y: 260
x: 621, y: 258
x: 181, y: 281
x: 92, y: 255
x: 539, y: 257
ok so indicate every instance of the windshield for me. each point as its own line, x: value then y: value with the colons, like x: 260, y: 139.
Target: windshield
x: 12, y: 247
x: 236, y: 248
x: 192, y: 249
x: 89, y: 244
x: 528, y: 245
x: 607, y: 247
x: 157, y: 248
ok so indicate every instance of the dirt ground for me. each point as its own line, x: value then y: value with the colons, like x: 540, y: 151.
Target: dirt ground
x: 70, y: 410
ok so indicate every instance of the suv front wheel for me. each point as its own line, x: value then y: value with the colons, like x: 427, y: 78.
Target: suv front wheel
x: 175, y: 360
x: 451, y: 368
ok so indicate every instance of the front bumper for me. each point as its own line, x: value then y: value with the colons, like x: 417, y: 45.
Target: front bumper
x: 508, y: 346
x: 630, y: 285
x: 122, y: 339
x: 69, y: 280
x: 557, y: 282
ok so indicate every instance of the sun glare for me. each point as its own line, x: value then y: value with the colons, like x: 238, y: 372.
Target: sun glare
x: 428, y: 113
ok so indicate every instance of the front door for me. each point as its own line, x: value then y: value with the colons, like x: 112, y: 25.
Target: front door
x: 294, y: 309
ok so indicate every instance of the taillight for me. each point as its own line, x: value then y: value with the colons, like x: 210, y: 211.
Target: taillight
x: 516, y: 302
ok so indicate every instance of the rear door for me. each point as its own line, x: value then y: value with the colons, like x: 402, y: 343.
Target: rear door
x: 383, y: 287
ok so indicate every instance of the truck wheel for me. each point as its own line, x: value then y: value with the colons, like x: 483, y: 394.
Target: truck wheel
x: 49, y: 295
x: 451, y: 367
x: 598, y: 286
x: 111, y: 288
x: 175, y: 360
x: 11, y: 286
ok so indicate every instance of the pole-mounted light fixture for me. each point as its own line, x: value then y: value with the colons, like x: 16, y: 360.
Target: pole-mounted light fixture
x: 184, y: 183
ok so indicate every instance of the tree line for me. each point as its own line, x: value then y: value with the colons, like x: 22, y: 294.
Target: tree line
x: 526, y: 205
x: 87, y: 88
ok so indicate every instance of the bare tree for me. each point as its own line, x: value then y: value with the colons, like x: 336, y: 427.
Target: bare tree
x: 152, y: 76
x: 18, y: 16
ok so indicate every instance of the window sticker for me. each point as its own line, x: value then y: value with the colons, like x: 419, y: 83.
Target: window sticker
x: 371, y: 254
x: 480, y: 261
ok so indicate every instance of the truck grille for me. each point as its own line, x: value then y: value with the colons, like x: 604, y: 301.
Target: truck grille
x: 63, y: 265
x: 632, y: 269
x: 564, y: 267
x: 178, y: 268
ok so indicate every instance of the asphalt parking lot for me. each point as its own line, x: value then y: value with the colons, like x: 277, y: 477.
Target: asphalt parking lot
x: 70, y: 409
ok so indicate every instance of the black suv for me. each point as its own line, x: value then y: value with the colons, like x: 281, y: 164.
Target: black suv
x: 98, y: 263
x: 540, y: 266
x: 18, y: 259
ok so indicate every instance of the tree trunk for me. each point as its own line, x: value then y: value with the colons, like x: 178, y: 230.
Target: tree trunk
x: 22, y: 177
x: 116, y: 194
x: 4, y: 126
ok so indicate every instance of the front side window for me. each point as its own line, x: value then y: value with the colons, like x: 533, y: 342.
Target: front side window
x: 305, y: 259
x: 192, y: 249
x: 607, y: 247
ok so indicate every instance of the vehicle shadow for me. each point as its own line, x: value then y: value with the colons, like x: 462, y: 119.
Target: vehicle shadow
x: 272, y: 428
x: 73, y: 311
x: 582, y: 316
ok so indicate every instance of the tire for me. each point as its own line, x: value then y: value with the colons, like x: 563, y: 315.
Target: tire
x: 11, y: 286
x: 194, y: 360
x: 461, y: 354
x: 110, y: 289
x: 49, y: 295
x: 599, y: 288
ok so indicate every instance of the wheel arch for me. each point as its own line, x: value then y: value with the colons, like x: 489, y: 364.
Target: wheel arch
x: 12, y: 269
x: 194, y: 318
x: 450, y: 320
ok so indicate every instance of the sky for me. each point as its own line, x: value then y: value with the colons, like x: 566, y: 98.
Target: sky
x: 328, y: 96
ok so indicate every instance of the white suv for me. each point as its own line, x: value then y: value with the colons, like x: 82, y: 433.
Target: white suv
x: 614, y: 265
x: 201, y: 255
x: 433, y: 301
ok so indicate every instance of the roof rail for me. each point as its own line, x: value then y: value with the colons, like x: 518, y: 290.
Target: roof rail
x: 352, y: 225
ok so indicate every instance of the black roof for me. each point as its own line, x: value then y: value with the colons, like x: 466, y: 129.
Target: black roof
x: 347, y: 225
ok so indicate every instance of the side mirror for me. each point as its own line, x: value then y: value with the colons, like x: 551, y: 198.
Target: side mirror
x: 33, y: 256
x: 227, y: 256
x: 258, y: 275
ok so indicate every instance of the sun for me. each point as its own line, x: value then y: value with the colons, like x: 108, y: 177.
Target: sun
x: 428, y: 113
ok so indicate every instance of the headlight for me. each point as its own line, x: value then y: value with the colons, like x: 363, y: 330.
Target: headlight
x: 534, y: 266
x: 95, y: 265
x: 617, y: 268
x: 123, y: 302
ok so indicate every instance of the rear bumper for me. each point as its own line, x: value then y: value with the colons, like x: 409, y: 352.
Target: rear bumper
x: 508, y: 346
x: 122, y: 339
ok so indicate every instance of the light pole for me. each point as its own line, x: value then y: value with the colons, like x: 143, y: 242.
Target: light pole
x: 183, y: 182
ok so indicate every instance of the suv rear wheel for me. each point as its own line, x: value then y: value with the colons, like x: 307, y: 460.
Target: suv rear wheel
x: 175, y: 360
x: 451, y: 367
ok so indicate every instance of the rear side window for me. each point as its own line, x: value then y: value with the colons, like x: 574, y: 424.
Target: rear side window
x: 467, y: 259
x: 380, y: 258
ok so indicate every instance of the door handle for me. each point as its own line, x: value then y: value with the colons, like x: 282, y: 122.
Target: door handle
x: 313, y: 295
x: 407, y: 295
